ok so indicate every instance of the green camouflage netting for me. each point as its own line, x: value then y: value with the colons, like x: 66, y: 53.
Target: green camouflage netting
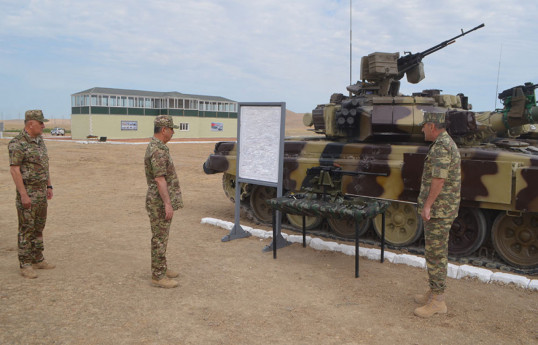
x: 309, y: 204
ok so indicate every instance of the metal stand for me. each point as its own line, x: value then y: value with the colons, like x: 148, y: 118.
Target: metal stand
x: 281, y: 242
x: 277, y: 237
x: 237, y: 231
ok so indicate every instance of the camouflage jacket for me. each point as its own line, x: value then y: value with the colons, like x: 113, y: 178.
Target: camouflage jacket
x: 31, y: 155
x: 158, y: 162
x: 442, y: 161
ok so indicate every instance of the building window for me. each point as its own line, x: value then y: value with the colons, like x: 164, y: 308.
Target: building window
x: 184, y: 127
x: 131, y: 102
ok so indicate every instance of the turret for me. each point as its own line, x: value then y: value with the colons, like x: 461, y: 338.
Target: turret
x: 518, y: 115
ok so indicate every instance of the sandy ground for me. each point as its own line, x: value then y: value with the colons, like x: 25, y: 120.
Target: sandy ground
x: 230, y: 293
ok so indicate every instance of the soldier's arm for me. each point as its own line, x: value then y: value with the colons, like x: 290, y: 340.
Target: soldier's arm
x: 163, y: 192
x: 49, y: 190
x: 17, y: 178
x: 435, y: 189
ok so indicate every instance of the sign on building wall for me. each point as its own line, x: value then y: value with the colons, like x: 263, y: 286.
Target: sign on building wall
x: 217, y: 126
x: 129, y: 125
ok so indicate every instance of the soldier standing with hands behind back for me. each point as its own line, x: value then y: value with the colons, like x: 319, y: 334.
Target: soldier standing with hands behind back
x: 438, y: 204
x: 162, y: 199
x: 29, y: 167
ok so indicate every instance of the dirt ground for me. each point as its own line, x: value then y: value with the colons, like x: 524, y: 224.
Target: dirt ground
x: 230, y: 293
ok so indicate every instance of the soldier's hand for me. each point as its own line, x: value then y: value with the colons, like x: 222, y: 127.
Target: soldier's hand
x: 49, y: 193
x: 425, y: 214
x: 26, y: 201
x: 169, y: 212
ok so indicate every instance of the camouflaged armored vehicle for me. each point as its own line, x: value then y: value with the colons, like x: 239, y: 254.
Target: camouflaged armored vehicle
x: 376, y: 129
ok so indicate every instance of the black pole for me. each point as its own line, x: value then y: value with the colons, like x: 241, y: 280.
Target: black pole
x: 382, y: 237
x: 304, y: 231
x: 356, y: 249
x: 274, y: 234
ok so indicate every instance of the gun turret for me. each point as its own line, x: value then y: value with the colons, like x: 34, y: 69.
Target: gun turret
x: 412, y: 63
x: 381, y: 72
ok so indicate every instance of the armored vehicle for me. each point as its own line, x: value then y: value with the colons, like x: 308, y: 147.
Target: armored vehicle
x: 376, y: 129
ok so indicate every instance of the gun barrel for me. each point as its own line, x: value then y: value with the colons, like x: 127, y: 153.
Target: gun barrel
x: 449, y: 41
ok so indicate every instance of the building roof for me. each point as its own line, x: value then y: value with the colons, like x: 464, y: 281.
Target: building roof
x: 125, y: 92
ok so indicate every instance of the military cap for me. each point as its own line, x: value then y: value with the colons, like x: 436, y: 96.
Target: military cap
x: 437, y: 118
x: 35, y: 115
x: 164, y: 121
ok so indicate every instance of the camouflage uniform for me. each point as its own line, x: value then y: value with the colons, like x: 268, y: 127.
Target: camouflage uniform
x: 31, y: 155
x: 158, y: 163
x: 443, y: 161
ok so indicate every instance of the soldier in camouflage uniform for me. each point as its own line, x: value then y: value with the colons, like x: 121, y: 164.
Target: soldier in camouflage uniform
x: 438, y: 204
x: 162, y: 199
x: 29, y: 167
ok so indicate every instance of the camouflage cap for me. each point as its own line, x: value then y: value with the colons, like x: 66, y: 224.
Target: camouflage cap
x: 35, y: 115
x: 438, y: 118
x: 164, y: 121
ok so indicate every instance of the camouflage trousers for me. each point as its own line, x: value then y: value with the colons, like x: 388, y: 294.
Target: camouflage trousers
x: 159, y: 240
x: 31, y: 224
x: 436, y: 232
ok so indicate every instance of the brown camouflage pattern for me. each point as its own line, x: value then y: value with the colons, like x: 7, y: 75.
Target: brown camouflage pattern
x: 157, y: 163
x: 487, y: 172
x: 32, y: 157
x: 384, y: 136
x: 442, y: 161
x: 436, y: 232
x: 160, y: 229
x: 31, y: 225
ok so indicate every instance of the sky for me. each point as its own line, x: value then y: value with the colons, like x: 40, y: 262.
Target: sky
x: 294, y: 51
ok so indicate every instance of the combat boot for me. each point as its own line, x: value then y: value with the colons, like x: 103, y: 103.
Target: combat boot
x: 436, y: 305
x: 165, y: 282
x: 28, y: 272
x: 171, y: 274
x: 43, y: 265
x: 424, y: 298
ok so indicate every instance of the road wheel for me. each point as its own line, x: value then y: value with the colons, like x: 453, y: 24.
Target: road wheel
x: 346, y: 227
x: 403, y: 224
x: 228, y: 185
x: 296, y: 221
x: 258, y: 197
x: 468, y: 232
x: 516, y: 239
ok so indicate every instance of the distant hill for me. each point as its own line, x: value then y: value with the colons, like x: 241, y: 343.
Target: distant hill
x: 19, y: 124
x: 294, y: 124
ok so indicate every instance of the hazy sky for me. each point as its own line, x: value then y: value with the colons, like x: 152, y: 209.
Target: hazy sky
x: 296, y: 51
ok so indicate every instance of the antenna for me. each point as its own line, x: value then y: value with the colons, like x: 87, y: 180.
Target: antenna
x: 350, y: 45
x: 498, y: 72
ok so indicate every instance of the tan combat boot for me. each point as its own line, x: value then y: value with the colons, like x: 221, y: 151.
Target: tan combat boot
x: 43, y: 265
x: 165, y: 282
x: 171, y: 274
x: 28, y: 272
x: 424, y: 298
x: 436, y: 305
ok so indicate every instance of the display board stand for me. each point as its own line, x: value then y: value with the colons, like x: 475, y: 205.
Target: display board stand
x: 259, y: 157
